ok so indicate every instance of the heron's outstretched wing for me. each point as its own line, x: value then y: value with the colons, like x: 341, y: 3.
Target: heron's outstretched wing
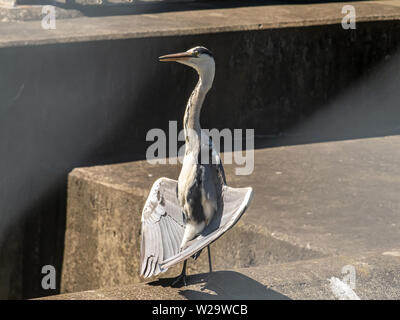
x: 162, y: 227
x: 235, y: 201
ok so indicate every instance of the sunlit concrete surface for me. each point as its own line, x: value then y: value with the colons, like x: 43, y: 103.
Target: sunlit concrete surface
x: 375, y: 276
x: 332, y: 198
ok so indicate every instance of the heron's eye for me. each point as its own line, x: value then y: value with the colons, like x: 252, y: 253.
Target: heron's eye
x: 196, y: 53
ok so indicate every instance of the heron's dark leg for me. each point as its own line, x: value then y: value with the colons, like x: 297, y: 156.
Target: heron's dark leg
x: 209, y: 258
x: 197, y: 254
x: 181, y: 277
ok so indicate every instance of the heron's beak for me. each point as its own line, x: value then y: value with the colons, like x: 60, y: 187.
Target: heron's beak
x: 176, y: 56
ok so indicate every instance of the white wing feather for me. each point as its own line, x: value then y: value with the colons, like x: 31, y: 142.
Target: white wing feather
x: 162, y: 227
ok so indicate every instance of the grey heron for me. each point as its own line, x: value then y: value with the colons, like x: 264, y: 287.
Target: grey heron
x: 182, y: 217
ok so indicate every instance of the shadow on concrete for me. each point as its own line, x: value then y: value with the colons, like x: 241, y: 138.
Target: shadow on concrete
x: 225, y: 285
x: 366, y: 108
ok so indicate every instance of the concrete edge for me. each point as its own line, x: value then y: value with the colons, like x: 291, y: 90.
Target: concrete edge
x: 376, y: 275
x: 108, y: 30
x: 88, y: 176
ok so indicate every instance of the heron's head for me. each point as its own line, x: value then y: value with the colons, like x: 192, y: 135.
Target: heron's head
x: 199, y: 58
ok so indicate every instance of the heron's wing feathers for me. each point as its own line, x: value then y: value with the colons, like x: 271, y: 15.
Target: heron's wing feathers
x: 162, y: 227
x: 235, y: 201
x: 216, y: 164
x: 214, y: 157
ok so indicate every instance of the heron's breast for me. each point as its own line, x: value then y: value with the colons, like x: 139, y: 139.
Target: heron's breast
x: 186, y: 177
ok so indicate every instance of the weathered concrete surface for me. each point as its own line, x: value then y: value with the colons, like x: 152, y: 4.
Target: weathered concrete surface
x: 7, y: 3
x: 33, y: 12
x: 341, y: 197
x: 67, y: 105
x: 28, y: 10
x: 377, y: 276
x: 330, y: 198
x: 191, y: 22
x: 391, y: 2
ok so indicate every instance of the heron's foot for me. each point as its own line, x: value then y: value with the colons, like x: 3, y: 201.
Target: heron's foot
x: 197, y: 254
x: 180, y: 281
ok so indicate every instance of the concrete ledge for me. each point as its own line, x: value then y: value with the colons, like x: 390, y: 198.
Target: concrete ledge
x: 102, y: 243
x: 192, y: 22
x: 377, y: 276
x: 33, y: 12
x: 8, y: 3
x: 336, y: 198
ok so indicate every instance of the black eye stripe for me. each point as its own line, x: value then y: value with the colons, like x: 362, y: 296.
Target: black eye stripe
x: 203, y: 50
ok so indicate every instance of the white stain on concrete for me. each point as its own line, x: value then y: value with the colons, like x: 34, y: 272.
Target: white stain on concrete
x: 342, y: 290
x: 392, y: 253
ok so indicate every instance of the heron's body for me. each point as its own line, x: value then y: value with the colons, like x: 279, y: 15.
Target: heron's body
x: 170, y: 223
x: 202, y: 177
x: 200, y: 188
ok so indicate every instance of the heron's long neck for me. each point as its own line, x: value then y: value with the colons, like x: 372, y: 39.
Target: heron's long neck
x: 191, y: 120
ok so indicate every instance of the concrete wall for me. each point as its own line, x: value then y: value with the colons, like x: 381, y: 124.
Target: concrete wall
x: 71, y: 105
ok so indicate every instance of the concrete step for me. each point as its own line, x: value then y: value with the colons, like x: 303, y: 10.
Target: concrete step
x: 334, y: 198
x: 88, y: 92
x: 102, y: 243
x: 31, y: 10
x: 186, y: 19
x: 376, y: 276
x: 9, y: 13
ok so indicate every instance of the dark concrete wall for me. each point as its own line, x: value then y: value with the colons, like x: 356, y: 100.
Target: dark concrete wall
x: 70, y: 105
